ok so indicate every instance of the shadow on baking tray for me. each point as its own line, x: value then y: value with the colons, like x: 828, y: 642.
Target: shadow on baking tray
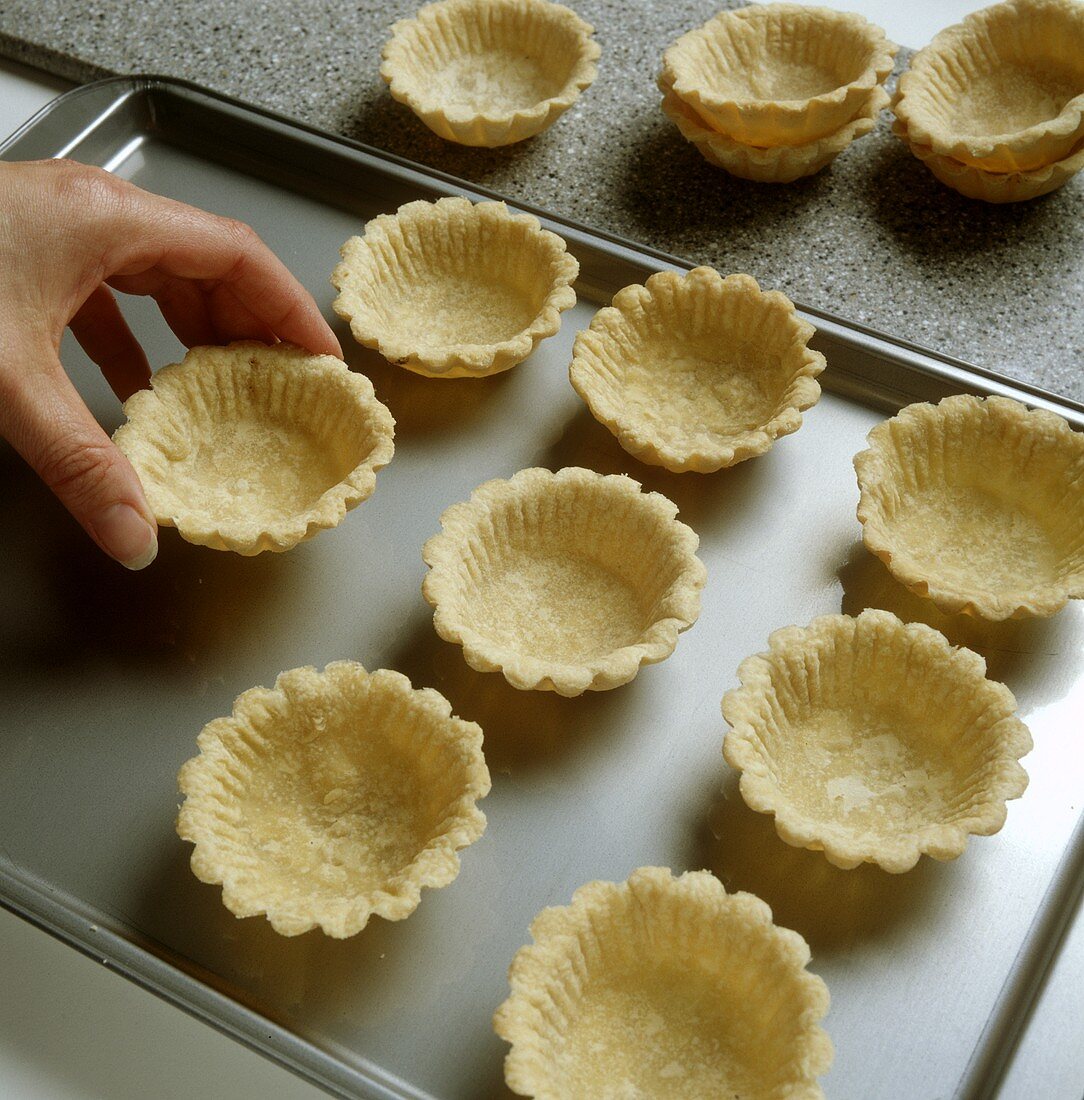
x: 362, y: 994
x: 1039, y: 659
x: 834, y: 910
x: 706, y: 502
x: 523, y: 729
x: 63, y: 601
x: 421, y: 405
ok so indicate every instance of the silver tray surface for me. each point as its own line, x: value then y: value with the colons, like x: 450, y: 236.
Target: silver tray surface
x: 107, y: 677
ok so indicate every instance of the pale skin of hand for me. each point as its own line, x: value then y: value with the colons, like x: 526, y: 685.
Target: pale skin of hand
x: 69, y: 233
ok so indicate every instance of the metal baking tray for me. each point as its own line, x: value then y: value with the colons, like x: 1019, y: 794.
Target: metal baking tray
x: 106, y: 677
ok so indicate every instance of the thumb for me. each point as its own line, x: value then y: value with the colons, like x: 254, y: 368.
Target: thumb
x: 46, y: 421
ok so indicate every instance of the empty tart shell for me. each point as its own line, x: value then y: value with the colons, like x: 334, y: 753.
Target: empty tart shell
x: 331, y: 797
x: 778, y: 74
x: 454, y: 289
x: 998, y: 187
x: 977, y: 504
x: 490, y: 72
x: 564, y: 581
x: 1003, y: 90
x: 874, y: 740
x: 776, y: 163
x: 663, y: 987
x: 253, y: 447
x: 697, y: 372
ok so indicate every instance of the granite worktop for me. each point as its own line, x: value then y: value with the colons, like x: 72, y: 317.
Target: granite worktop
x: 873, y: 238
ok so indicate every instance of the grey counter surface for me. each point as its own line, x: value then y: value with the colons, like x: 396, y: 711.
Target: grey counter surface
x: 874, y: 238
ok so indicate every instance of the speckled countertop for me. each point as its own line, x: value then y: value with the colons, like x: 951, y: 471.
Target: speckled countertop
x: 873, y: 238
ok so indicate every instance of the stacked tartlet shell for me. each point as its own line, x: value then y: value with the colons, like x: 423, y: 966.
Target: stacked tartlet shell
x: 252, y: 447
x: 874, y: 740
x: 492, y: 45
x: 696, y: 372
x: 332, y: 797
x: 565, y: 581
x: 666, y: 987
x: 994, y: 106
x: 977, y: 504
x: 454, y: 289
x: 775, y: 92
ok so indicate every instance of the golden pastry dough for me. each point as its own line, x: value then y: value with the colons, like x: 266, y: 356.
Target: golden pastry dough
x: 453, y: 288
x: 333, y: 796
x: 874, y: 740
x: 977, y: 504
x: 1003, y: 91
x: 663, y: 987
x: 976, y: 183
x: 251, y: 448
x: 778, y: 74
x: 564, y: 581
x: 490, y: 72
x: 774, y: 163
x: 697, y: 372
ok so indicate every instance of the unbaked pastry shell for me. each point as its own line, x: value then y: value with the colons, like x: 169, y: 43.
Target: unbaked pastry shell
x: 1002, y: 91
x: 977, y: 504
x: 566, y: 581
x: 697, y: 372
x: 331, y: 797
x: 779, y: 74
x: 997, y: 187
x: 874, y: 740
x: 253, y: 447
x: 490, y: 72
x: 454, y: 289
x: 663, y: 987
x: 775, y: 164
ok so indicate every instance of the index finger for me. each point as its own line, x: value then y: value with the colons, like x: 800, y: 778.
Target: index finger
x: 160, y: 236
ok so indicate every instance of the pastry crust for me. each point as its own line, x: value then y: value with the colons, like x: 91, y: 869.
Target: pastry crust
x: 874, y: 740
x: 977, y: 503
x: 490, y: 72
x: 566, y: 581
x: 1002, y: 91
x: 998, y: 187
x: 776, y: 163
x: 697, y: 372
x: 454, y: 289
x: 663, y: 987
x: 332, y: 796
x: 778, y: 74
x: 253, y: 447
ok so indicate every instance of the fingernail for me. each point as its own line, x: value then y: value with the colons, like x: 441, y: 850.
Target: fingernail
x: 127, y: 536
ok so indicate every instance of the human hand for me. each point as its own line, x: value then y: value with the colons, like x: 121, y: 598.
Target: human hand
x: 67, y: 234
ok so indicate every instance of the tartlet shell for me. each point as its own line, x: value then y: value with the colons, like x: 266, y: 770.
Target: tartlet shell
x: 458, y: 24
x: 773, y: 164
x: 995, y: 187
x: 1011, y: 435
x: 804, y: 664
x: 300, y: 709
x: 277, y: 381
x: 770, y: 122
x: 982, y: 41
x: 738, y: 310
x: 452, y: 231
x: 542, y: 500
x: 654, y: 914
